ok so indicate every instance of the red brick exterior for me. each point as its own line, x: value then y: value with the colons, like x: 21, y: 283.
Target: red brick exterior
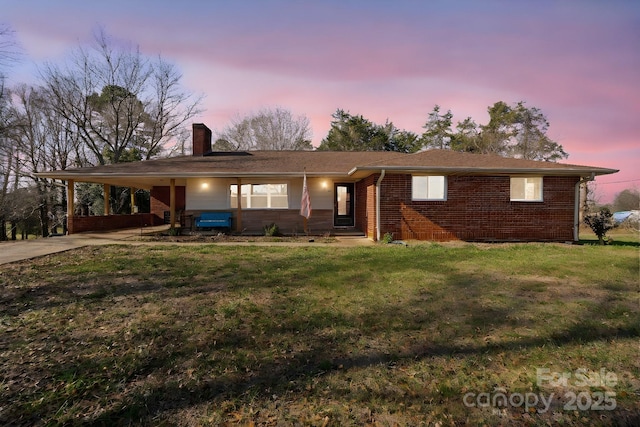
x: 79, y: 224
x: 289, y: 221
x: 478, y: 208
x: 365, y: 218
x: 201, y: 139
x: 160, y: 200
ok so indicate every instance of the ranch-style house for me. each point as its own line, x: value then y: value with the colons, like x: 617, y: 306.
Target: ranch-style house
x: 430, y: 195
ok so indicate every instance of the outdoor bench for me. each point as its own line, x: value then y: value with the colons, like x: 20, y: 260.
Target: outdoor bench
x: 214, y: 220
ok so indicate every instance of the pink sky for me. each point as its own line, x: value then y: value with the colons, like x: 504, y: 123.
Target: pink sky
x: 577, y: 61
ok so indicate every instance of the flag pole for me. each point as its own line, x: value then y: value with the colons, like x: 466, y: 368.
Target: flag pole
x: 305, y: 203
x: 305, y: 220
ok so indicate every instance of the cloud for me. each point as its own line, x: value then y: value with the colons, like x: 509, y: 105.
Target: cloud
x: 577, y: 61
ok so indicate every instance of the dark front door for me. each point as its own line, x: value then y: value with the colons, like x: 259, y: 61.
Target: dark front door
x: 343, y: 205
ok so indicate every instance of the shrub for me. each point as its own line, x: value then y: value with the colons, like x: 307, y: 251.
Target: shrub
x: 600, y: 222
x: 271, y: 230
x: 387, y: 238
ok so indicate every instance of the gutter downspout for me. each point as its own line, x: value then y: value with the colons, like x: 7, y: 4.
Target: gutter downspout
x: 378, y: 204
x: 576, y: 209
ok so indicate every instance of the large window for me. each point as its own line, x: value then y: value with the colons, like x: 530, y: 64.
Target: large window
x: 528, y: 189
x: 260, y: 196
x: 432, y: 187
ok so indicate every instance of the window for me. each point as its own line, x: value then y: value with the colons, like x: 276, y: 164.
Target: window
x: 261, y: 196
x: 527, y: 189
x: 428, y: 188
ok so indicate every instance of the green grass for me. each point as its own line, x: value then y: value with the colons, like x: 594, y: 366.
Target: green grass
x: 384, y: 335
x: 619, y: 236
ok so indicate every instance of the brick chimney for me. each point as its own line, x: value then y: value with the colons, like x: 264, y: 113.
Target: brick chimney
x: 201, y: 139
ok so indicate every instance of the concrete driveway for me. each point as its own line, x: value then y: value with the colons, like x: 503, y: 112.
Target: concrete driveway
x: 13, y: 251
x: 19, y: 250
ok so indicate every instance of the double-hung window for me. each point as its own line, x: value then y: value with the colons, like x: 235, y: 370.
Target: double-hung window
x: 260, y: 196
x: 428, y: 187
x: 526, y: 189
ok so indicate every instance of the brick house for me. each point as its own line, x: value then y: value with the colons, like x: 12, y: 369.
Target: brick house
x: 430, y: 195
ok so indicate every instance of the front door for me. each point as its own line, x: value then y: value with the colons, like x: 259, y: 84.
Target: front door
x: 343, y: 212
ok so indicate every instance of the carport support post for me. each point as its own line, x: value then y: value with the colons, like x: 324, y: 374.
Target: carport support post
x: 172, y: 202
x: 132, y: 190
x: 239, y: 207
x: 106, y: 190
x: 70, y: 205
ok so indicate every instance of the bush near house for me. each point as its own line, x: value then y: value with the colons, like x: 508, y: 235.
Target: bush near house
x: 600, y: 223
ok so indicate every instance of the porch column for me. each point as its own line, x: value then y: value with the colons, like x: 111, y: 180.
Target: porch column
x: 70, y: 205
x: 172, y: 202
x: 106, y: 191
x: 239, y: 207
x: 132, y: 191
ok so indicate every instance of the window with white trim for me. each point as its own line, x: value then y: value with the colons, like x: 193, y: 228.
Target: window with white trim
x: 260, y: 196
x: 428, y: 187
x: 526, y: 189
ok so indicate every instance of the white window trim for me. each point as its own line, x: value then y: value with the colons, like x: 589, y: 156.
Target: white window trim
x: 444, y: 191
x: 250, y: 193
x: 538, y: 200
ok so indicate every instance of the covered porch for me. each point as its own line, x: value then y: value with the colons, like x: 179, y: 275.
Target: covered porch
x: 79, y: 220
x: 178, y: 201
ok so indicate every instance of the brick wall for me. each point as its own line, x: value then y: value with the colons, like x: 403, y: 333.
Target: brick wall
x: 289, y: 221
x: 365, y: 215
x: 160, y: 200
x: 478, y: 209
x: 201, y: 139
x: 79, y: 224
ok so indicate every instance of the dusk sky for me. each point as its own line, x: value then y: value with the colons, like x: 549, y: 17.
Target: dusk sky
x: 577, y: 61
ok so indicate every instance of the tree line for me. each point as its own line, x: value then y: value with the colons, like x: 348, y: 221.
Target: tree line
x: 512, y: 131
x: 107, y: 104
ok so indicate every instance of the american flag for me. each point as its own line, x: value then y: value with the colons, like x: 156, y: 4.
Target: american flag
x: 305, y: 204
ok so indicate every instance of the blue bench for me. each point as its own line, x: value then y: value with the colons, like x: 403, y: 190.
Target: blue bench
x: 214, y: 220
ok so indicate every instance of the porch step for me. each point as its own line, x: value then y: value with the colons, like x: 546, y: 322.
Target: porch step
x: 350, y: 232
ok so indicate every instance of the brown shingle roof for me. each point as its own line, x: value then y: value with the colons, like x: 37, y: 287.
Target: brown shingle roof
x: 246, y: 163
x: 318, y: 163
x: 447, y: 161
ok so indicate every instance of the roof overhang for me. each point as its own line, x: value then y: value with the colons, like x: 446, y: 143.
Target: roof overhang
x: 147, y: 181
x: 361, y: 172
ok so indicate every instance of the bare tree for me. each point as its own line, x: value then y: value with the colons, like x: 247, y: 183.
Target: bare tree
x: 6, y: 169
x: 7, y: 154
x: 121, y: 105
x: 43, y: 143
x: 269, y: 129
x: 9, y: 50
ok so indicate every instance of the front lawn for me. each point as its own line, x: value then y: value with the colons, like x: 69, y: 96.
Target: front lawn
x: 455, y: 334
